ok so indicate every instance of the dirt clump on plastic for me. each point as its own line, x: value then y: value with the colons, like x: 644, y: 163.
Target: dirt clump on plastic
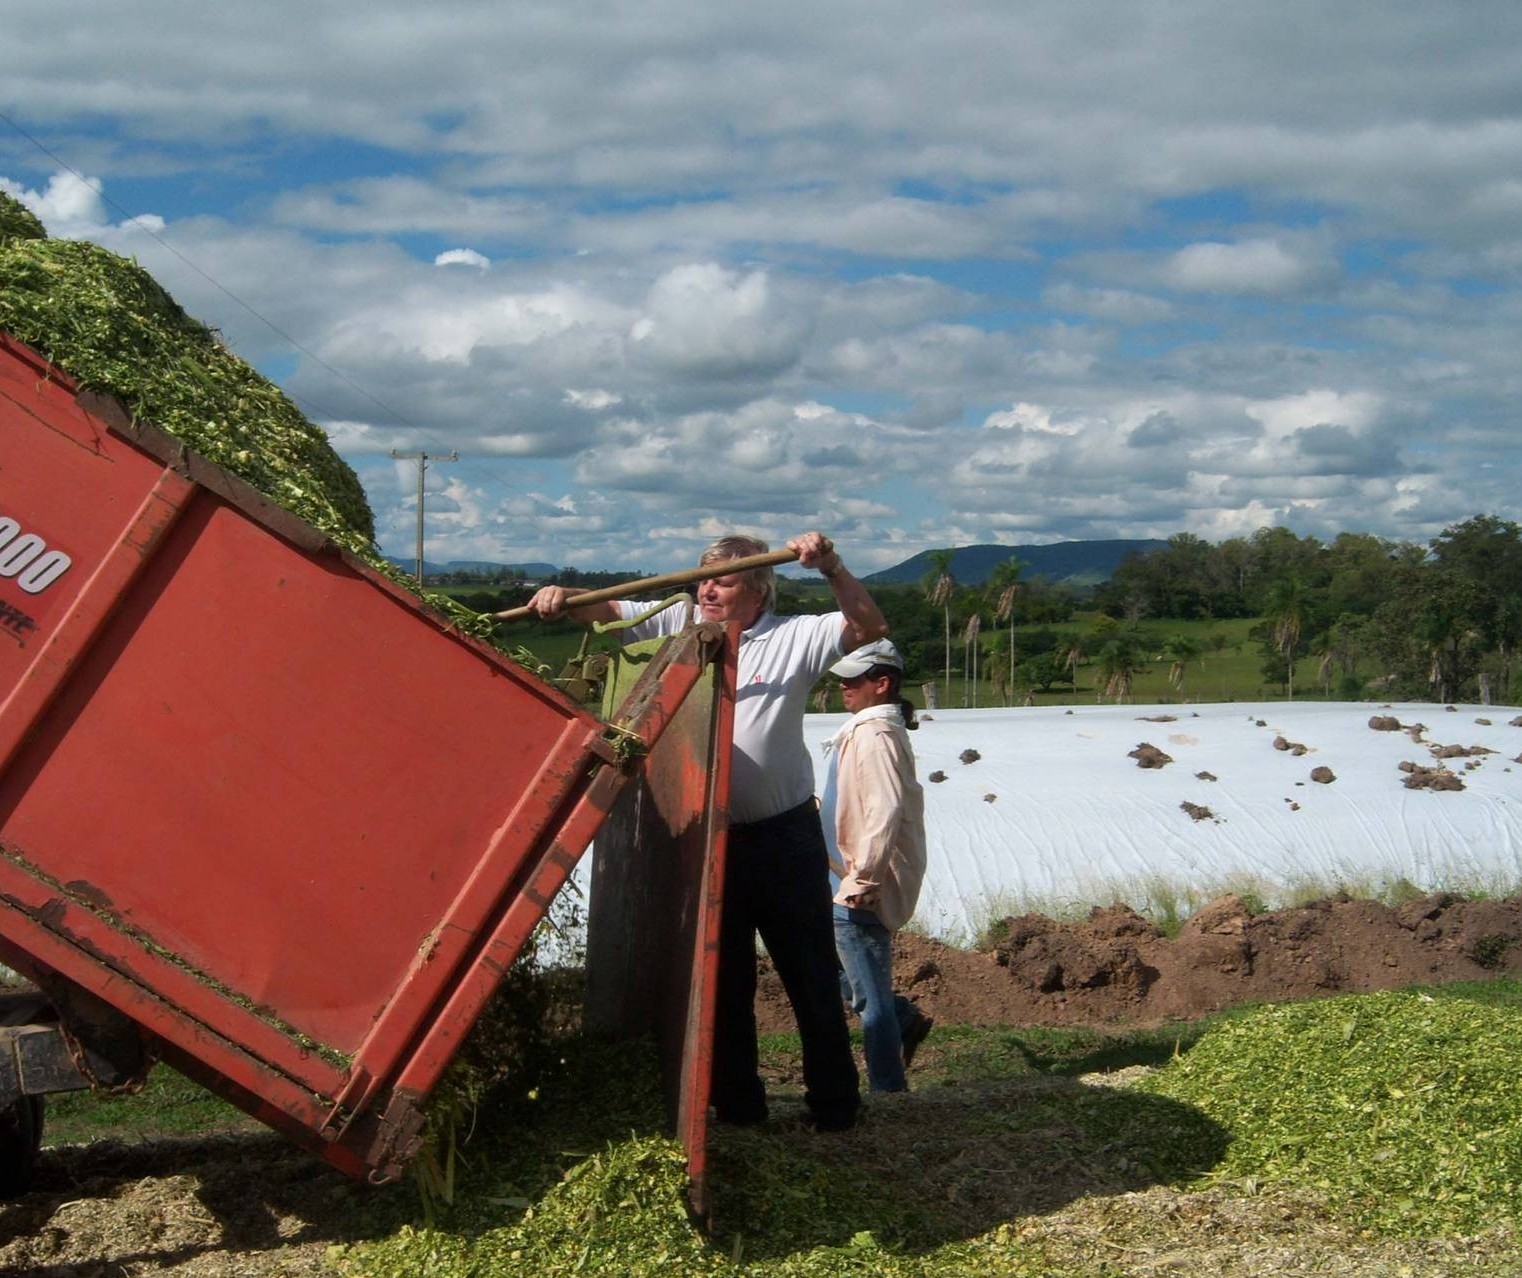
x: 1117, y: 968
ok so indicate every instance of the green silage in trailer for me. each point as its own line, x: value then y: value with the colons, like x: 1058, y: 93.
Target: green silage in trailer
x: 110, y: 326
x: 107, y: 323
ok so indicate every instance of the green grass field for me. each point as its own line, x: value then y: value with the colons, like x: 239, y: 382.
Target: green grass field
x: 1229, y: 667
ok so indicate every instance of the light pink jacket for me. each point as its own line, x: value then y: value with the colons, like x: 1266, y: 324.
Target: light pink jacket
x: 879, y: 816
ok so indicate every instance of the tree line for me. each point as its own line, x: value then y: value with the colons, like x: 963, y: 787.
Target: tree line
x: 1358, y: 616
x: 1369, y: 616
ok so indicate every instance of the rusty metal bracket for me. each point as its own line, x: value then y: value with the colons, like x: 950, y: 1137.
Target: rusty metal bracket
x: 107, y: 1047
x: 36, y: 1060
x: 400, y: 1135
x: 583, y: 675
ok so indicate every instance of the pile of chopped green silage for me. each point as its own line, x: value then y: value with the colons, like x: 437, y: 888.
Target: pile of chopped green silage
x: 582, y: 1181
x: 107, y: 323
x: 1374, y: 1128
x: 18, y: 222
x: 1403, y: 1109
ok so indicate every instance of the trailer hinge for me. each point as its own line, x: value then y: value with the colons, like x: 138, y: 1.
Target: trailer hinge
x: 621, y: 745
x: 353, y: 1098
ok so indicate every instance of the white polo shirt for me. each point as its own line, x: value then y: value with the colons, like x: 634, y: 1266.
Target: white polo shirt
x: 781, y: 659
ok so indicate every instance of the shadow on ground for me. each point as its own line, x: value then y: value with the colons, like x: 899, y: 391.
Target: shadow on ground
x: 147, y: 1206
x: 948, y: 1163
x: 985, y: 1140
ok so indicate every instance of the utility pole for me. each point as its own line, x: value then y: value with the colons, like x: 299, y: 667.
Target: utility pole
x: 422, y: 460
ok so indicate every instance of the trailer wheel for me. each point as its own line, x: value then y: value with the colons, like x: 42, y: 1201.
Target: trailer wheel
x: 20, y: 1139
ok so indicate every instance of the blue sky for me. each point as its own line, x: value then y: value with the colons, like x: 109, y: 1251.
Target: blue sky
x: 917, y: 276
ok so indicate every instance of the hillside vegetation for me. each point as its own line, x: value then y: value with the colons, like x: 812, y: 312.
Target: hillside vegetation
x: 1079, y: 565
x: 1273, y: 614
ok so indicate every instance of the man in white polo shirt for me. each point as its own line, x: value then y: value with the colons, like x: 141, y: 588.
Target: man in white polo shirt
x: 776, y: 878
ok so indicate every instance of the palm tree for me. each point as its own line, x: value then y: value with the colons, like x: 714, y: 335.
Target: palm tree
x: 1003, y: 585
x: 1180, y: 650
x: 1119, y: 661
x: 1337, y: 649
x: 1286, y: 613
x: 940, y: 586
x: 970, y: 656
x: 1508, y: 620
x: 997, y: 680
x: 1070, y: 653
x: 1324, y: 649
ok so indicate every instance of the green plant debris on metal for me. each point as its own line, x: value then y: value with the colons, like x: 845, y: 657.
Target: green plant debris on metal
x: 332, y: 1056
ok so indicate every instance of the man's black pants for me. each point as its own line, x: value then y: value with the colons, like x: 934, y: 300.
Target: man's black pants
x: 776, y: 882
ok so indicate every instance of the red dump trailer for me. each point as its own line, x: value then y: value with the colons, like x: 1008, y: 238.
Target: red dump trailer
x: 266, y: 817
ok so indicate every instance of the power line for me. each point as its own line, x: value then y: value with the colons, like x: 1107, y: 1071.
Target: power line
x: 215, y: 283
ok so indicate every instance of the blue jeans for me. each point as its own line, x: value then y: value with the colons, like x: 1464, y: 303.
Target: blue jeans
x: 866, y: 982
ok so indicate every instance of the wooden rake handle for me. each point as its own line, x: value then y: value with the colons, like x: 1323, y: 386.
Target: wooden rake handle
x: 720, y: 568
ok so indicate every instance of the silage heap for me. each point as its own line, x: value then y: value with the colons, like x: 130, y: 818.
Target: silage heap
x: 108, y: 324
x: 1403, y: 1107
x: 105, y: 322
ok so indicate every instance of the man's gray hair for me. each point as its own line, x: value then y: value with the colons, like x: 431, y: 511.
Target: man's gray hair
x: 734, y: 546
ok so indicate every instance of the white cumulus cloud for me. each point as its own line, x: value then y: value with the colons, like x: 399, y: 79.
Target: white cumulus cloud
x: 1247, y: 266
x: 463, y: 257
x: 71, y: 207
x: 706, y: 320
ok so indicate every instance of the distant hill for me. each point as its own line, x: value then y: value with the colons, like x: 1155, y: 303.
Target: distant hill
x: 1079, y: 564
x: 431, y: 569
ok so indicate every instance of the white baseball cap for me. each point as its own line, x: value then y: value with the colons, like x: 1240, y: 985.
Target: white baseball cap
x: 878, y: 653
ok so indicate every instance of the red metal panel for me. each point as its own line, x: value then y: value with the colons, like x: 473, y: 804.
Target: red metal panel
x: 288, y: 749
x: 657, y: 888
x: 256, y: 797
x: 42, y: 677
x: 697, y: 1044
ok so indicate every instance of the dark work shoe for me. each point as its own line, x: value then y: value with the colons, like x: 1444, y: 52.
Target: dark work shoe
x: 833, y: 1122
x: 918, y: 1029
x: 742, y: 1103
x: 740, y: 1117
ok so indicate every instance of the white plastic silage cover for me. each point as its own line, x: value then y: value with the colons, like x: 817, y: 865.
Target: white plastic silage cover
x: 1054, y: 814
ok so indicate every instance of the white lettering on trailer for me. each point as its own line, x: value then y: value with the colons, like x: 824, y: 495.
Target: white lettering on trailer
x: 26, y: 557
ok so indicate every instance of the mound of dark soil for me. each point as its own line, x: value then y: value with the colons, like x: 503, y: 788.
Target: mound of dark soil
x: 1116, y: 968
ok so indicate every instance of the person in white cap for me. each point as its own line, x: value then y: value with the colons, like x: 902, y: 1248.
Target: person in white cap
x: 873, y: 810
x: 776, y: 869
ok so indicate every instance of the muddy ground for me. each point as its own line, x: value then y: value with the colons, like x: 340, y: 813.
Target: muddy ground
x: 247, y: 1203
x: 1116, y: 969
